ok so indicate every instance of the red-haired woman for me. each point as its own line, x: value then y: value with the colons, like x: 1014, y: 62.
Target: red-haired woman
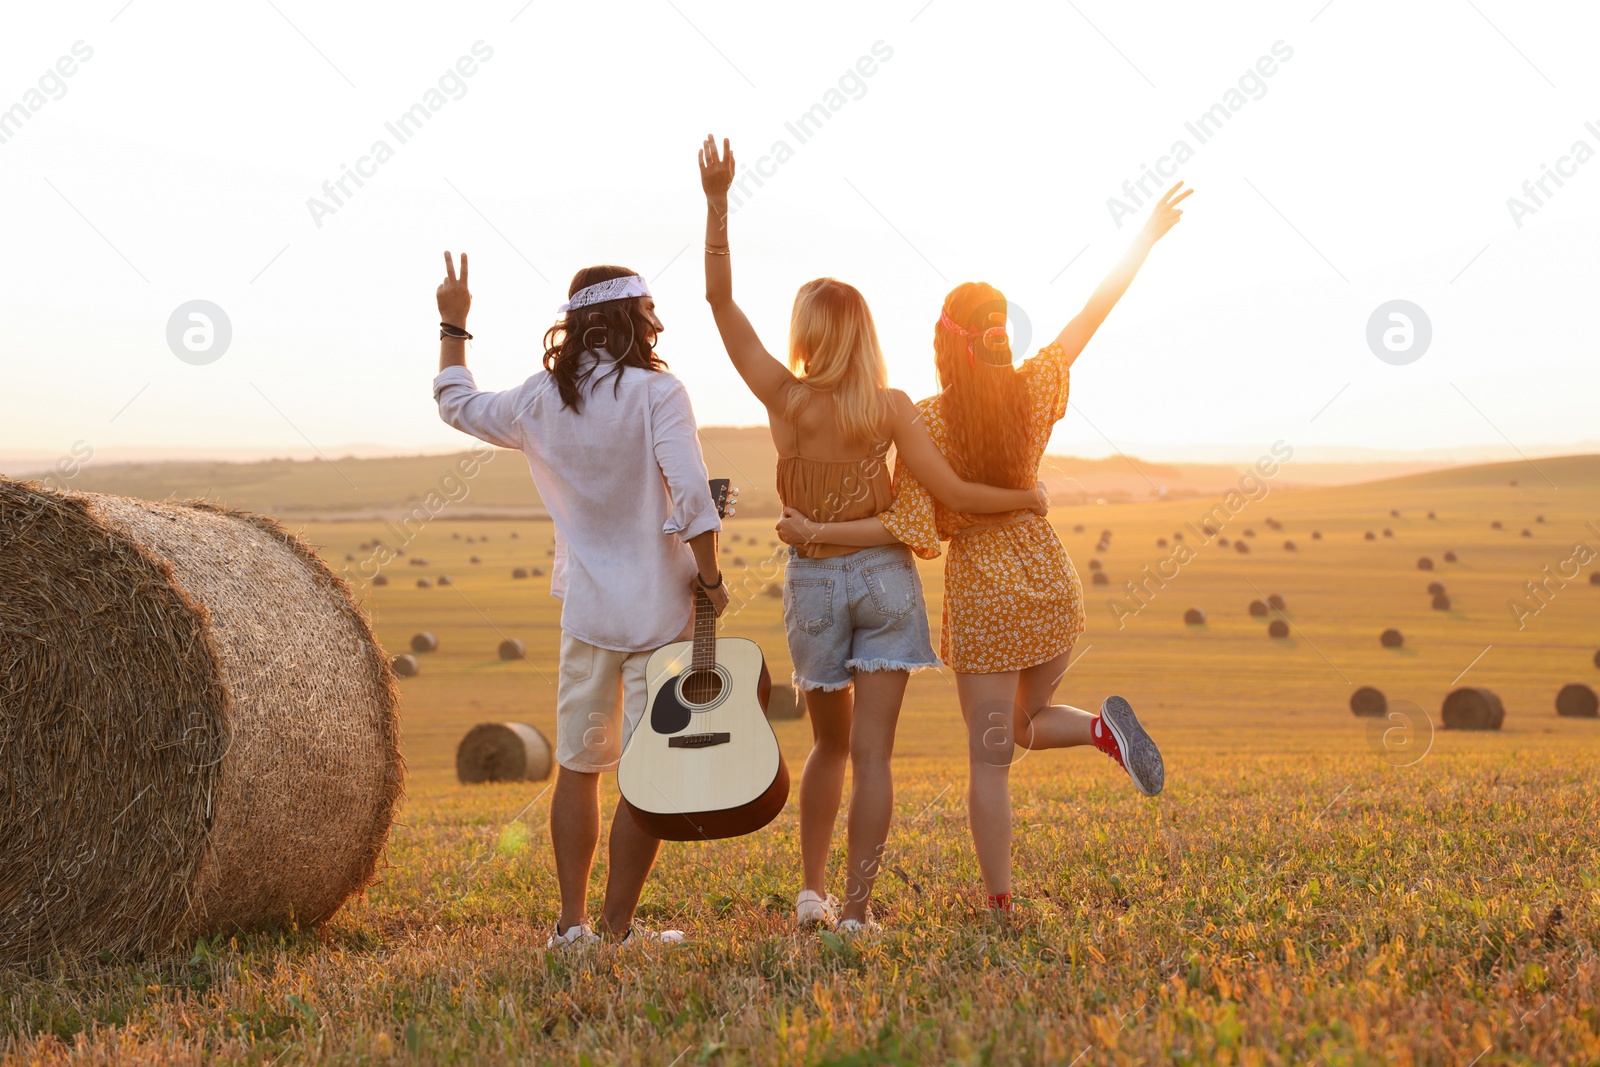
x: 1013, y: 605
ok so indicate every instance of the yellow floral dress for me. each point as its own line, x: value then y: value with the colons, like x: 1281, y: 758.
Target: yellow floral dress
x: 1011, y: 596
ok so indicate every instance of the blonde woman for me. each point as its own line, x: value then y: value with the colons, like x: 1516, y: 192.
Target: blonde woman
x: 1013, y: 604
x: 855, y: 617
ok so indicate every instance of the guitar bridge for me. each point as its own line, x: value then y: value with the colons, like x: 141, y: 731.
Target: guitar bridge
x: 698, y: 740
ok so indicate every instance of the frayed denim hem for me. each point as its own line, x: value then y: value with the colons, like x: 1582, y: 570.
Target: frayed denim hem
x: 864, y: 665
x: 825, y: 687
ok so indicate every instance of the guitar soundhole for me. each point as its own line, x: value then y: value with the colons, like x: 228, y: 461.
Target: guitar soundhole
x: 702, y: 687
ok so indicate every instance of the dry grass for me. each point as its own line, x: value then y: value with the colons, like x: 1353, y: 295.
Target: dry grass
x: 1295, y: 896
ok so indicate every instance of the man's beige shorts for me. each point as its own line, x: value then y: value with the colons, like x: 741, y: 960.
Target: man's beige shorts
x: 600, y: 698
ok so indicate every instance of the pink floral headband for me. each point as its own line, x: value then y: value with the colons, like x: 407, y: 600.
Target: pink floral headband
x: 971, y: 335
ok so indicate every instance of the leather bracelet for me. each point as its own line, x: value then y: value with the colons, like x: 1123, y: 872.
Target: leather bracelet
x: 702, y: 582
x: 447, y: 330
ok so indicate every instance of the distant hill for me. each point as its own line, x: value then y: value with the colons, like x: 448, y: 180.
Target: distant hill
x: 389, y: 486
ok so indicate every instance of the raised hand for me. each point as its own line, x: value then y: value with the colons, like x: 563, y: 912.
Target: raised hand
x: 716, y: 172
x: 1165, y: 215
x: 455, y: 300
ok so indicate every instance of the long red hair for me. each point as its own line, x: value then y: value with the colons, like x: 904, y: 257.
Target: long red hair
x: 985, y: 401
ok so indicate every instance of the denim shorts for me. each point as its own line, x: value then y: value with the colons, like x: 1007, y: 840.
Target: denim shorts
x: 861, y: 612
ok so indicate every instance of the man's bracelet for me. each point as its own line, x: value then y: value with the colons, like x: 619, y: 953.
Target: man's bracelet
x: 708, y: 588
x: 447, y: 330
x: 714, y: 250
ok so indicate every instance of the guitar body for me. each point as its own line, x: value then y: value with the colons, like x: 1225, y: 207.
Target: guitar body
x: 704, y: 765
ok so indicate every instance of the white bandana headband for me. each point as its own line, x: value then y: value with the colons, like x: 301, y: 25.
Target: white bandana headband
x: 610, y: 289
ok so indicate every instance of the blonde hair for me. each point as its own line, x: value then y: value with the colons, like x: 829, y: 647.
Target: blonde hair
x: 833, y: 348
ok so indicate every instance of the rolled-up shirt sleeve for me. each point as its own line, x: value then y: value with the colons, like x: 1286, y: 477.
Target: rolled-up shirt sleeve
x: 490, y: 417
x: 677, y: 449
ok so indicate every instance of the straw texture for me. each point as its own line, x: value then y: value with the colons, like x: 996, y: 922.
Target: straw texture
x: 198, y: 731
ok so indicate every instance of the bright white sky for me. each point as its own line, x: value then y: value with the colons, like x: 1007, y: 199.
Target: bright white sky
x: 1377, y: 165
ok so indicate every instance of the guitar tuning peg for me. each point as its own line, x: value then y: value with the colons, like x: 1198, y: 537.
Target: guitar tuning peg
x: 731, y: 512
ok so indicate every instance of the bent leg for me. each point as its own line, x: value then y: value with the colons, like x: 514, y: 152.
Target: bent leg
x: 1041, y: 724
x: 822, y: 781
x: 989, y: 706
x: 877, y: 712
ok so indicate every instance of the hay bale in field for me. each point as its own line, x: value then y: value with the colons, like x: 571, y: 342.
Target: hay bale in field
x: 380, y: 579
x: 503, y: 752
x: 1449, y: 557
x: 1577, y: 701
x: 738, y: 561
x: 786, y: 702
x: 1424, y: 564
x: 1161, y: 542
x: 475, y: 559
x: 1177, y: 535
x: 773, y: 591
x: 1316, y: 535
x: 1431, y: 515
x: 405, y: 666
x: 1597, y: 658
x: 418, y: 561
x: 444, y: 579
x: 1391, y: 638
x: 423, y: 583
x: 1095, y: 565
x: 519, y: 573
x: 1527, y: 533
x: 513, y: 648
x: 1394, y: 513
x: 1368, y: 702
x: 1497, y: 525
x: 1594, y: 578
x: 1441, y: 602
x: 424, y: 642
x: 198, y: 731
x: 1289, y: 546
x: 1223, y: 541
x: 349, y: 557
x: 1538, y: 518
x: 1435, y: 588
x: 1078, y: 528
x: 515, y: 536
x: 1249, y: 532
x: 1388, y: 532
x: 1258, y: 609
x: 1275, y: 602
x: 1194, y: 617
x: 1100, y: 578
x: 1471, y: 708
x: 1278, y: 628
x: 1370, y: 536
x: 1209, y: 532
x: 537, y: 572
x: 1240, y: 547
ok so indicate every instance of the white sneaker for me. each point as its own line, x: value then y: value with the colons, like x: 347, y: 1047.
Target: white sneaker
x: 577, y: 935
x: 813, y: 909
x: 653, y: 937
x: 848, y: 928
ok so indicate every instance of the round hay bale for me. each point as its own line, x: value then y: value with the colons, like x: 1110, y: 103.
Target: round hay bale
x: 1161, y: 542
x: 503, y: 752
x: 1096, y: 565
x: 1240, y: 547
x: 1275, y: 602
x: 1435, y: 588
x: 1449, y: 557
x: 349, y: 557
x: 1209, y: 532
x: 217, y: 751
x: 1527, y: 533
x: 549, y: 551
x: 405, y: 666
x: 1100, y: 578
x: 1497, y: 525
x: 1538, y: 518
x: 774, y: 591
x: 1177, y: 535
x: 1278, y: 628
x: 444, y: 579
x: 1223, y: 541
x: 515, y: 536
x: 1431, y: 515
x: 472, y: 540
x: 1594, y: 578
x: 1370, y: 536
x: 785, y: 703
x: 423, y: 583
x: 475, y: 559
x: 1388, y: 532
x: 1078, y: 528
x: 1316, y: 535
x: 1249, y: 532
x: 424, y: 642
x: 380, y: 579
x: 1597, y: 658
x: 537, y: 572
x: 1394, y: 513
x: 1391, y: 638
x: 418, y: 561
x: 738, y: 561
x: 519, y: 573
x: 1368, y: 702
x: 1441, y: 602
x: 1424, y: 564
x: 1258, y: 609
x: 513, y: 648
x: 1289, y: 546
x: 1196, y: 617
x: 1471, y: 708
x: 1103, y: 546
x: 1105, y: 535
x: 1577, y: 701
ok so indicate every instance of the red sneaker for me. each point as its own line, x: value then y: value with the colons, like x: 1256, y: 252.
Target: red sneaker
x: 1118, y: 733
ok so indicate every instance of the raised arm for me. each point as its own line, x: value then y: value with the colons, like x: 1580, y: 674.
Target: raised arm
x: 455, y: 300
x: 918, y: 451
x: 1163, y: 217
x: 767, y: 378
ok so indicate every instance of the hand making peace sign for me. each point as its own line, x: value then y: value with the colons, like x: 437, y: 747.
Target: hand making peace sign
x: 454, y: 298
x: 1165, y: 215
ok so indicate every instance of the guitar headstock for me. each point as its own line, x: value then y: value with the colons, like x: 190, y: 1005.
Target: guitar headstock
x: 724, y: 494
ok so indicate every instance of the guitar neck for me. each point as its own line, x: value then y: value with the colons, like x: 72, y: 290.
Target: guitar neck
x: 705, y: 633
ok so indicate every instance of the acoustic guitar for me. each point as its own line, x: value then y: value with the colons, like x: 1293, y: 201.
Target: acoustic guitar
x: 703, y: 763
